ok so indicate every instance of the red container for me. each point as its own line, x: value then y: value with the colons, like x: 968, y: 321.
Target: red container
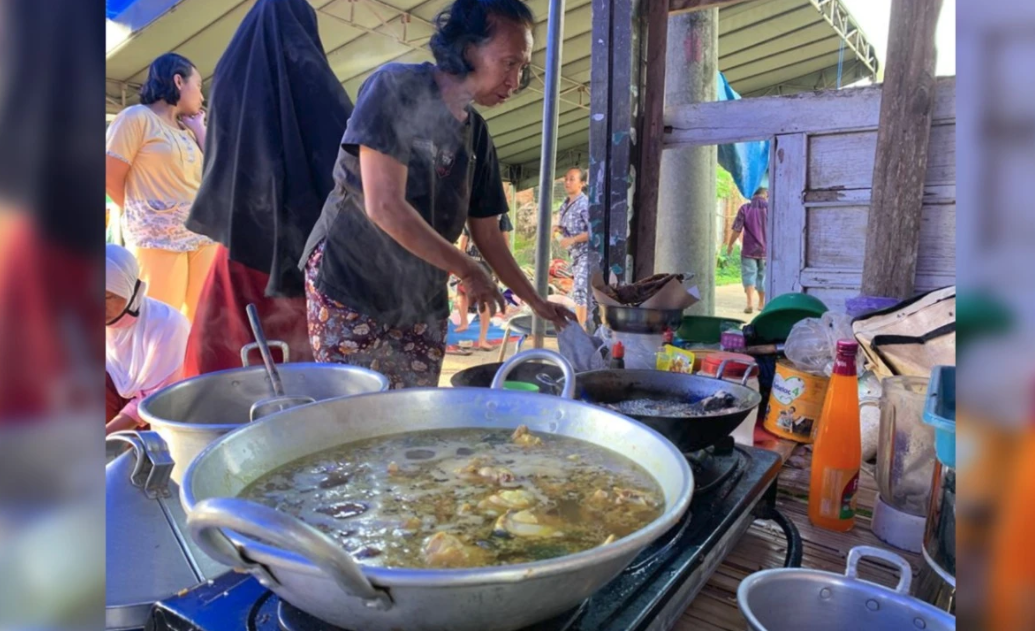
x: 734, y: 370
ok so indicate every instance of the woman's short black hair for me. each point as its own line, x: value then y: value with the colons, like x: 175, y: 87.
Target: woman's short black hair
x: 160, y: 85
x: 582, y: 173
x: 467, y: 22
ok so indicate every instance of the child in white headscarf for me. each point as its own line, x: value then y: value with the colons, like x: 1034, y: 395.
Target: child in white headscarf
x: 144, y: 341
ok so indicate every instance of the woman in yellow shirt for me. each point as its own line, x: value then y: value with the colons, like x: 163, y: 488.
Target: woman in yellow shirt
x: 152, y: 172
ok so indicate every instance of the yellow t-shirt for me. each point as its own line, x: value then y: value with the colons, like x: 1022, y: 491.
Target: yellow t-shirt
x: 164, y: 176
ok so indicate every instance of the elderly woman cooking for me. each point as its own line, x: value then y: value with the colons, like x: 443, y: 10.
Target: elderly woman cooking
x: 144, y: 340
x: 416, y: 164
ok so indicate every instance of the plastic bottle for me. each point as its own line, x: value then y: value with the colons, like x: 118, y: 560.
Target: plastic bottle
x: 668, y: 337
x: 617, y: 356
x: 1012, y: 567
x: 837, y: 451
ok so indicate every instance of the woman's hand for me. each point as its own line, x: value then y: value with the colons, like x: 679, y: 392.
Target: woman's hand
x: 481, y: 290
x: 566, y: 243
x: 121, y: 422
x: 196, y: 124
x: 552, y: 312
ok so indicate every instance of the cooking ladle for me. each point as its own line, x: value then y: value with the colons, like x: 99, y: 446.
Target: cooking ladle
x: 279, y: 401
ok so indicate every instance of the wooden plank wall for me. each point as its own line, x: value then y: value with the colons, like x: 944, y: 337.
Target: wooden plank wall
x: 821, y: 178
x: 835, y: 208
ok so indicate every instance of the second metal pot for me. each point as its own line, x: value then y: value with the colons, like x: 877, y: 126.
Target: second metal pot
x: 937, y: 581
x: 812, y: 600
x: 194, y: 412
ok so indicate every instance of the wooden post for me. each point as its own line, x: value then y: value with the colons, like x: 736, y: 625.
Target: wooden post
x: 652, y: 139
x: 900, y: 167
x: 614, y: 83
x: 600, y: 129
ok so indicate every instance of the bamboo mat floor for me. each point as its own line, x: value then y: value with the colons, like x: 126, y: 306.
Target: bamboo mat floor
x: 763, y: 547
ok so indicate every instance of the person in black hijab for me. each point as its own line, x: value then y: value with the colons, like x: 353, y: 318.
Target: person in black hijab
x: 276, y: 117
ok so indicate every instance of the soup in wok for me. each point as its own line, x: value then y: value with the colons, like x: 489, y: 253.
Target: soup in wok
x: 465, y: 497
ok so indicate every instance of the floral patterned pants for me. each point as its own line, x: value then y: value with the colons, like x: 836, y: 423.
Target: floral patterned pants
x: 581, y: 269
x: 410, y: 356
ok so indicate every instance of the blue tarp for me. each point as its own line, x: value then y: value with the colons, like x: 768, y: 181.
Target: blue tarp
x: 747, y: 162
x: 114, y: 7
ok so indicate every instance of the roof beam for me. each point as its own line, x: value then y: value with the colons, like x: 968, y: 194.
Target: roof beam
x: 830, y: 111
x: 687, y: 6
x: 576, y: 87
x: 526, y: 175
x: 410, y: 17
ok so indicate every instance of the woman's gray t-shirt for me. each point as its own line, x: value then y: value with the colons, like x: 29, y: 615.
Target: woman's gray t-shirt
x: 452, y: 174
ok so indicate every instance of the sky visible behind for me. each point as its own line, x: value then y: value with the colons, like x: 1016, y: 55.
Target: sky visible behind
x: 874, y: 17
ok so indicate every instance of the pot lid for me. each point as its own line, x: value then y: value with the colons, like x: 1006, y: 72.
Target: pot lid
x: 149, y: 555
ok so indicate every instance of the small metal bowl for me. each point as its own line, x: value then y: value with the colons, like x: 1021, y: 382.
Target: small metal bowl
x: 639, y: 320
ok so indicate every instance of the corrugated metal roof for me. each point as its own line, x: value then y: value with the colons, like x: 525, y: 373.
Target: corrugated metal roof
x: 765, y: 46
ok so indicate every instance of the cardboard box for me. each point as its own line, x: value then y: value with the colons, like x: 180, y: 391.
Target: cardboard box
x: 674, y: 295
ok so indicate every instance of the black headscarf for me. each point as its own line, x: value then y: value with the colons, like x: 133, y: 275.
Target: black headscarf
x: 276, y: 117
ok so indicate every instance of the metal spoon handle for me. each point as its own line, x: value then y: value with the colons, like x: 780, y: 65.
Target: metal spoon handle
x: 264, y: 349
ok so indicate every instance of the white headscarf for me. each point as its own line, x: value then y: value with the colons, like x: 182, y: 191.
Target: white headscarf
x: 146, y: 345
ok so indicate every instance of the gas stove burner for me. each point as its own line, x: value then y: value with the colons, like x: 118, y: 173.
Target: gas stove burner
x: 714, y: 465
x: 292, y: 618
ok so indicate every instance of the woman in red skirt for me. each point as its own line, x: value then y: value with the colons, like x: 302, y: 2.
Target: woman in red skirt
x: 276, y: 117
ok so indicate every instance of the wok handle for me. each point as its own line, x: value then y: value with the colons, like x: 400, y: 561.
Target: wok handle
x: 207, y: 519
x: 153, y: 465
x: 543, y: 355
x: 285, y: 351
x: 751, y: 367
x: 905, y: 569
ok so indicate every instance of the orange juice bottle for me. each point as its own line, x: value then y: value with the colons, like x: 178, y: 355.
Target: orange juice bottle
x: 837, y: 450
x: 1012, y: 568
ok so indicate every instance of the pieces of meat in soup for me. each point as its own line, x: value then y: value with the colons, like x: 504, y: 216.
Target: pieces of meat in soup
x: 465, y: 497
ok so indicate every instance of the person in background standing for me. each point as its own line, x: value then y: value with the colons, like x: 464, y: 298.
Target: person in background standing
x: 572, y: 232
x: 751, y: 220
x: 276, y: 116
x: 152, y: 172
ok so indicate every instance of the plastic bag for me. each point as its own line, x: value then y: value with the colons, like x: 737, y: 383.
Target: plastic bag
x: 581, y: 350
x: 641, y: 349
x: 812, y: 343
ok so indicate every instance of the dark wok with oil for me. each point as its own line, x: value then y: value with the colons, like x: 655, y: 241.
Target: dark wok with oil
x: 688, y: 433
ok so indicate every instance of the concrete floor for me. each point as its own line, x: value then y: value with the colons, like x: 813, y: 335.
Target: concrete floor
x: 729, y: 303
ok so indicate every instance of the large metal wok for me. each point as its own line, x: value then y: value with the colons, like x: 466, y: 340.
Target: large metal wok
x: 309, y: 570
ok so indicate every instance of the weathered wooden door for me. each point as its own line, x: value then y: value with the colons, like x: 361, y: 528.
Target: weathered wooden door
x: 820, y: 179
x: 821, y: 194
